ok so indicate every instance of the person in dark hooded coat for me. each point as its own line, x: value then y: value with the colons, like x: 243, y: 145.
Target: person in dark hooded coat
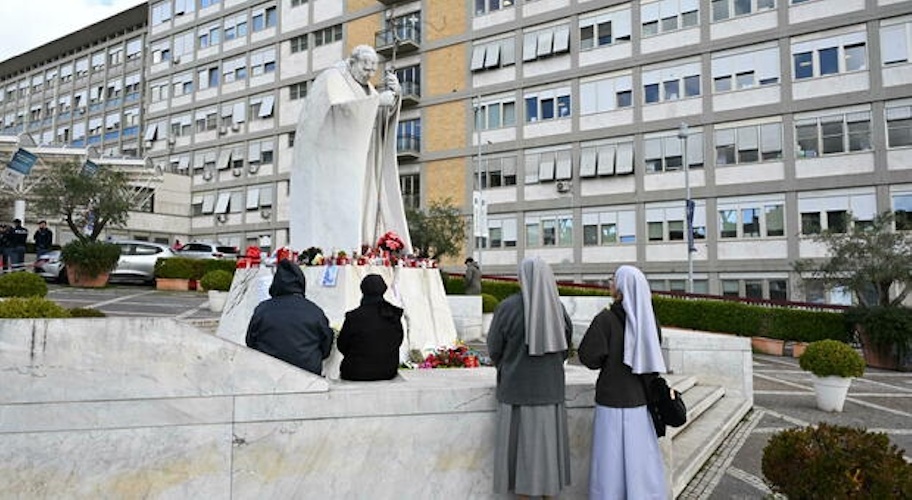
x: 288, y: 326
x: 371, y: 335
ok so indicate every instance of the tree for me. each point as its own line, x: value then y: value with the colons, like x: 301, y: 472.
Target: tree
x: 85, y: 201
x: 864, y: 258
x: 437, y: 232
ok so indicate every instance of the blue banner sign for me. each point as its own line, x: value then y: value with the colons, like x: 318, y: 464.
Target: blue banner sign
x: 22, y: 161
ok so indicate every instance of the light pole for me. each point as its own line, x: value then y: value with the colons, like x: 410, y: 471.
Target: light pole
x: 688, y: 207
x: 477, y: 200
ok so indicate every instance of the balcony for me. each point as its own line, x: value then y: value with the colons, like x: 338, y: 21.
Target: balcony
x: 404, y: 39
x: 391, y: 2
x: 411, y: 93
x: 408, y: 147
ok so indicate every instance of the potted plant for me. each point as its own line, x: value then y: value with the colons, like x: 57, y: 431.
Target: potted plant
x: 175, y: 273
x: 217, y: 283
x: 829, y: 461
x: 89, y: 262
x: 886, y: 335
x: 833, y: 364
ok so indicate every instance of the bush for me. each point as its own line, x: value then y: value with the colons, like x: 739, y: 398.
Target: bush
x: 22, y: 284
x: 219, y: 264
x: 835, y: 462
x: 750, y: 320
x: 887, y: 328
x: 217, y: 280
x: 826, y: 358
x: 488, y: 303
x: 86, y: 312
x: 91, y: 258
x: 178, y: 268
x: 31, y: 307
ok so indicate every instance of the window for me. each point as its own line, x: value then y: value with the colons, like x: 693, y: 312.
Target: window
x: 733, y: 70
x: 183, y: 44
x: 410, y: 185
x: 497, y: 172
x: 297, y: 90
x: 208, y: 78
x: 161, y: 12
x: 666, y: 222
x: 161, y: 51
x: 298, y: 44
x: 727, y: 9
x: 605, y: 94
x: 483, y: 7
x: 895, y: 41
x: 834, y: 211
x: 604, y: 29
x: 810, y: 223
x: 748, y: 144
x: 902, y: 210
x: 263, y: 62
x: 547, y: 105
x: 262, y: 107
x: 298, y: 3
x: 609, y: 227
x: 182, y: 84
x: 545, y: 43
x: 408, y: 135
x: 751, y: 218
x: 502, y: 233
x: 829, y: 56
x: 665, y: 84
x: 235, y: 27
x: 493, y: 55
x: 668, y: 16
x: 209, y: 36
x: 899, y: 126
x: 495, y: 114
x: 263, y: 18
x: 664, y: 152
x: 328, y: 35
x: 234, y: 69
x: 833, y: 134
x: 549, y: 230
x: 602, y: 159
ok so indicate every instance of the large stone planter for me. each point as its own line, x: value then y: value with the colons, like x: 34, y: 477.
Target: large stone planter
x: 881, y: 357
x: 831, y: 392
x: 217, y: 300
x: 766, y: 345
x: 178, y: 284
x: 75, y: 278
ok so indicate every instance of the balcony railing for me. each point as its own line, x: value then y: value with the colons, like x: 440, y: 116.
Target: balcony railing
x: 405, y: 38
x: 408, y: 147
x: 410, y: 93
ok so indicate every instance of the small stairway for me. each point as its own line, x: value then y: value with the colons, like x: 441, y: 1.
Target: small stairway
x: 711, y: 416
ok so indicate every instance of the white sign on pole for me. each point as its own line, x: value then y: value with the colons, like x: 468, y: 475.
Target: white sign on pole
x: 480, y: 214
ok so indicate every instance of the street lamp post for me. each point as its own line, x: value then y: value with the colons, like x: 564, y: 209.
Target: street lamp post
x: 688, y: 206
x: 477, y: 200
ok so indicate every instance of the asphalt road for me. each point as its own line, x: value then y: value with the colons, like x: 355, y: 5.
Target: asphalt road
x: 134, y: 300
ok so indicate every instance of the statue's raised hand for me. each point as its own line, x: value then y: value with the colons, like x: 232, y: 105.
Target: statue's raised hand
x: 391, y: 81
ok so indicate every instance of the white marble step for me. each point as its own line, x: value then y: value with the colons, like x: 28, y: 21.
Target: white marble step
x: 695, y: 443
x: 698, y: 399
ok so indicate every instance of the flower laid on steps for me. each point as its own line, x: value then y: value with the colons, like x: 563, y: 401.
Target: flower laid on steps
x: 458, y: 356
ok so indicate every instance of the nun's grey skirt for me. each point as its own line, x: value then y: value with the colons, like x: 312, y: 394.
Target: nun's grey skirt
x: 532, y: 450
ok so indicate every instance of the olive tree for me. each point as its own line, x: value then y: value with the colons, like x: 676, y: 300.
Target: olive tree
x: 86, y: 201
x: 866, y: 257
x: 437, y: 231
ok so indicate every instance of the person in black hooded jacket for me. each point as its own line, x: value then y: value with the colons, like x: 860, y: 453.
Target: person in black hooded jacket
x: 288, y: 326
x: 371, y: 335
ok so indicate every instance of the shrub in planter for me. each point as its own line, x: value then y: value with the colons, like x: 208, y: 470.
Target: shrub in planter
x: 86, y: 312
x: 176, y: 268
x: 217, y: 280
x: 214, y: 264
x: 888, y: 328
x: 91, y: 258
x: 31, y: 307
x: 488, y: 303
x: 832, y: 358
x: 22, y: 285
x: 835, y: 462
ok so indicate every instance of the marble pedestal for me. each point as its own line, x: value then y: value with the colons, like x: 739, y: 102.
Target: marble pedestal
x: 427, y: 321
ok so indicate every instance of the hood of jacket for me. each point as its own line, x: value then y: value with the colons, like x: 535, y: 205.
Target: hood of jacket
x: 288, y: 280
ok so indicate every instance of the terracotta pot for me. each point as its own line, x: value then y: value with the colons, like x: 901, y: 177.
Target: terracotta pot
x: 180, y: 284
x: 881, y: 357
x: 798, y: 349
x: 86, y: 281
x: 766, y: 345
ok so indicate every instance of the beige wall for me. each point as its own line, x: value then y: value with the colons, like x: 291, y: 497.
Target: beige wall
x: 444, y: 71
x: 361, y: 31
x: 442, y: 20
x: 446, y: 179
x: 445, y: 126
x: 356, y: 5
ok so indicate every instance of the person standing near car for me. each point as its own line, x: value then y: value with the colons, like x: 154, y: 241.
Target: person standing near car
x: 44, y: 238
x: 18, y: 240
x: 4, y: 245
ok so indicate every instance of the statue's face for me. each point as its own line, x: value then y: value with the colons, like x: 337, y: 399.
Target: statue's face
x: 363, y: 67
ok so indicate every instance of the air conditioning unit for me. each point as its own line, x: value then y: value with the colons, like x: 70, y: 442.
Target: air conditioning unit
x: 237, y: 172
x: 235, y: 127
x: 172, y: 141
x: 176, y: 60
x: 253, y: 168
x: 221, y: 218
x: 563, y: 186
x: 266, y: 213
x: 207, y: 175
x: 223, y: 130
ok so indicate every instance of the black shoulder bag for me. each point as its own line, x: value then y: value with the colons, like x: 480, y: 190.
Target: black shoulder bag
x: 665, y: 405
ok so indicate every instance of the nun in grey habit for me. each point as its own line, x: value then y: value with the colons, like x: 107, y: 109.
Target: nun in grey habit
x: 623, y: 342
x: 528, y: 342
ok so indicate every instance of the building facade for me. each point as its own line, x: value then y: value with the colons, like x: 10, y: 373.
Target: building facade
x: 565, y: 114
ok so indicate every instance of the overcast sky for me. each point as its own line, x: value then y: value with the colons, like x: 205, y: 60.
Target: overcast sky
x: 31, y: 23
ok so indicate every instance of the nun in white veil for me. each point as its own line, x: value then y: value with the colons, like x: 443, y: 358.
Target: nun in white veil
x: 623, y: 343
x: 528, y: 342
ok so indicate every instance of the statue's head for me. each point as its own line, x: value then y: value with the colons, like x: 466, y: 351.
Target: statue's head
x: 363, y: 63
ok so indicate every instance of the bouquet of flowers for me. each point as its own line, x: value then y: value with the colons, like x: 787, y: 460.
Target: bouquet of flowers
x: 391, y: 242
x: 458, y: 356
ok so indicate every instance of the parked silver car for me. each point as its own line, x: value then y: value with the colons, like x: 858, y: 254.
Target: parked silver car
x: 138, y: 258
x: 204, y: 250
x: 137, y: 262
